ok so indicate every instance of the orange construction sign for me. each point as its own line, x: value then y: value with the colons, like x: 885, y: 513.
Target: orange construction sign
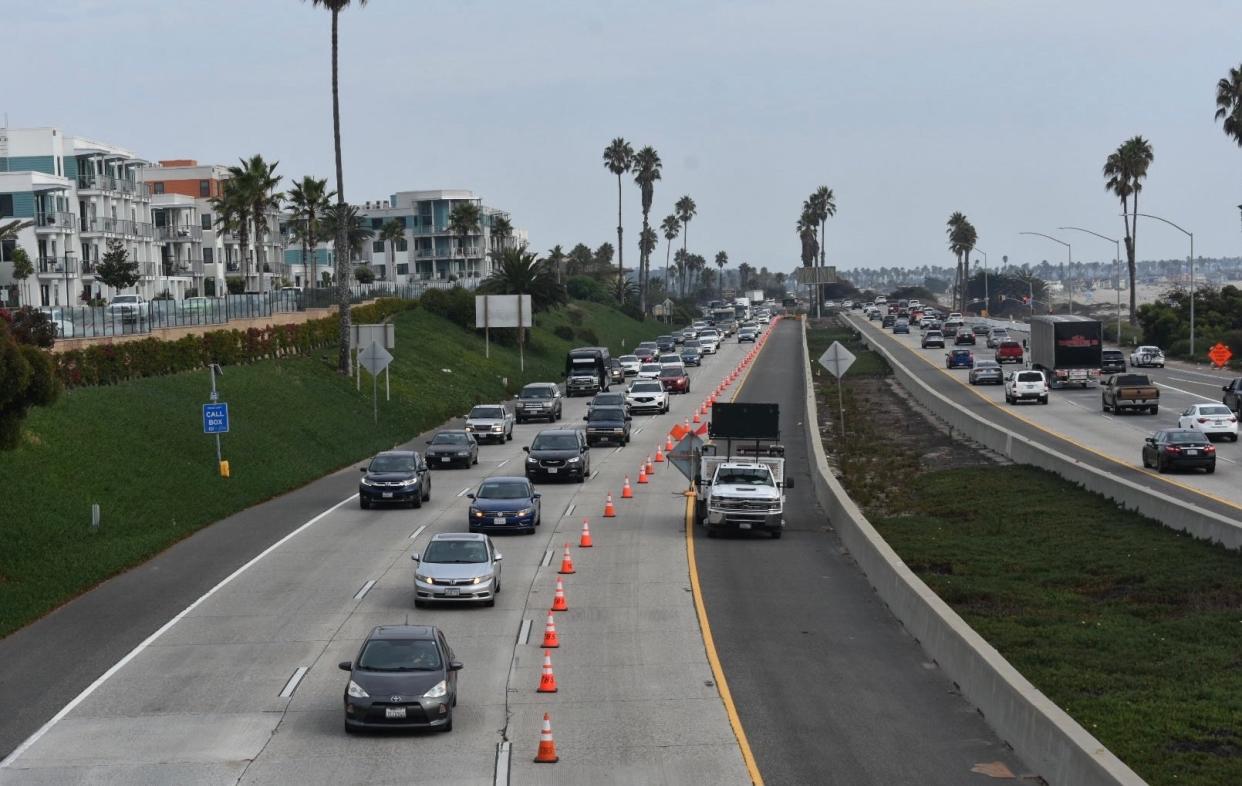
x: 1219, y: 355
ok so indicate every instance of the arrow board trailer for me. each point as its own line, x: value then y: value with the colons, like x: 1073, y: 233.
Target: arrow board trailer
x: 743, y: 490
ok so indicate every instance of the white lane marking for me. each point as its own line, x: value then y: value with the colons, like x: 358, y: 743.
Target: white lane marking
x: 524, y: 632
x: 362, y: 593
x: 640, y: 429
x: 136, y: 651
x: 464, y: 491
x: 593, y: 474
x: 547, y: 559
x: 1187, y: 392
x: 501, y: 464
x: 615, y: 452
x: 502, y: 764
x: 292, y: 684
x: 417, y: 532
x: 569, y: 510
x: 1215, y: 384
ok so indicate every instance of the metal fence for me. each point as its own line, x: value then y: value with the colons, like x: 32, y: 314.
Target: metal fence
x: 123, y: 319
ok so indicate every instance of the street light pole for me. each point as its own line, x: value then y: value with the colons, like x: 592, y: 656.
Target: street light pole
x: 1190, y: 235
x: 1069, y: 251
x: 1116, y: 270
x: 987, y: 301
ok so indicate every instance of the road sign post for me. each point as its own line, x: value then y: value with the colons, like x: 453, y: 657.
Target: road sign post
x: 374, y: 358
x: 837, y: 359
x: 216, y: 419
x: 685, y: 455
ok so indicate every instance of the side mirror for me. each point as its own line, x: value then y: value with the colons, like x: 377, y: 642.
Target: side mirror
x: 362, y: 469
x: 526, y: 450
x: 1150, y: 440
x: 499, y: 556
x: 345, y: 665
x: 454, y: 665
x: 414, y: 557
x: 428, y: 442
x: 789, y: 483
x: 1225, y: 388
x: 586, y: 417
x: 470, y: 495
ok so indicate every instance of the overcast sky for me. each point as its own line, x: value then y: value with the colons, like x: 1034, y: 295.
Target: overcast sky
x: 908, y: 109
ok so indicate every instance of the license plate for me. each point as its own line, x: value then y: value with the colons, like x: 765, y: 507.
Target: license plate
x: 452, y: 592
x: 498, y: 521
x: 445, y: 459
x: 394, y: 712
x: 1192, y: 453
x: 387, y: 495
x: 744, y: 525
x: 552, y: 470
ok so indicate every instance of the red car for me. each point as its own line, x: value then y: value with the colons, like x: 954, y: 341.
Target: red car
x: 1009, y: 352
x: 674, y: 380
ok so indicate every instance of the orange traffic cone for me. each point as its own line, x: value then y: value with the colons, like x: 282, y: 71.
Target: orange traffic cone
x: 659, y: 455
x: 696, y: 418
x: 567, y: 567
x: 609, y: 510
x: 547, y: 681
x: 626, y: 491
x: 584, y: 542
x: 668, y: 442
x: 547, y: 747
x: 642, y: 473
x: 558, y: 600
x: 550, y: 639
x: 650, y: 467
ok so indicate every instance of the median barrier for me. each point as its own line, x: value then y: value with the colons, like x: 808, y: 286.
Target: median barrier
x: 1040, y: 732
x: 1173, y: 513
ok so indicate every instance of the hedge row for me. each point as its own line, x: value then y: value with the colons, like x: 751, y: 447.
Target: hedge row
x: 108, y: 364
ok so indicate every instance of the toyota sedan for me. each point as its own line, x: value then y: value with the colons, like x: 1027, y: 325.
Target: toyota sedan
x: 451, y: 448
x: 1179, y: 449
x: 405, y: 676
x: 1211, y: 420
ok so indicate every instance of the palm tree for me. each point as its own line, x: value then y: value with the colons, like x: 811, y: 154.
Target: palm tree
x: 232, y: 209
x: 618, y: 158
x: 342, y: 269
x: 647, y: 242
x: 1229, y: 104
x: 646, y: 166
x: 516, y: 271
x: 824, y: 203
x: 556, y: 260
x: 966, y: 238
x: 680, y: 267
x: 722, y: 259
x: 954, y: 224
x: 256, y: 181
x: 308, y: 199
x: 463, y: 222
x: 9, y: 231
x: 1124, y: 170
x: 502, y: 230
x: 686, y: 210
x: 344, y: 221
x: 672, y: 228
x: 392, y: 233
x: 743, y: 276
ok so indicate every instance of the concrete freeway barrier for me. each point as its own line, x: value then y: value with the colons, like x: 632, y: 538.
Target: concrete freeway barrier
x: 1039, y: 731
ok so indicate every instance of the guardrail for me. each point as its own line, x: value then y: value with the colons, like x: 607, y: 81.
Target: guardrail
x: 1040, y: 732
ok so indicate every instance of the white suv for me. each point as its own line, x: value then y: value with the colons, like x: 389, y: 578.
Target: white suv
x: 647, y: 396
x: 709, y: 341
x: 1026, y: 385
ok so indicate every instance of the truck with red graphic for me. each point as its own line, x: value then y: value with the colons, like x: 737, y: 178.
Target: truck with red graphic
x: 1067, y: 348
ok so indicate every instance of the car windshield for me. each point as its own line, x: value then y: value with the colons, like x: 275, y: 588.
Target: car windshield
x: 399, y: 655
x: 536, y: 392
x: 449, y: 438
x: 606, y: 414
x: 455, y: 552
x: 693, y: 343
x: 649, y: 368
x: 645, y: 387
x: 1215, y: 410
x: 488, y: 413
x: 672, y: 372
x: 647, y: 345
x: 1030, y: 376
x: 392, y: 464
x: 503, y: 489
x: 1010, y: 345
x: 670, y: 359
x: 747, y: 476
x: 555, y: 442
x: 125, y: 299
x: 1186, y: 438
x: 961, y: 353
x: 608, y: 400
x: 1148, y: 350
x: 934, y: 334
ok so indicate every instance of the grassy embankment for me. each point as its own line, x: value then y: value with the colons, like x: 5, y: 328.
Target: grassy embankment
x: 1130, y: 627
x: 138, y: 449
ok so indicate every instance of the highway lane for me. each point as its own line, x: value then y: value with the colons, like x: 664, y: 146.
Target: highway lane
x: 201, y: 703
x: 830, y: 688
x: 1074, y: 422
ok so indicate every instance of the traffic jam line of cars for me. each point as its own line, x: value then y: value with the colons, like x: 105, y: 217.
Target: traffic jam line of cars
x: 1187, y: 446
x: 406, y: 675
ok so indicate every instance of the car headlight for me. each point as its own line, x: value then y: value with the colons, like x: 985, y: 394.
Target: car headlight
x: 438, y: 690
x: 498, y: 428
x: 410, y: 482
x: 366, y: 482
x: 574, y: 460
x: 481, y: 579
x: 476, y: 513
x: 469, y: 427
x: 532, y: 460
x: 525, y: 512
x: 424, y: 579
x: 463, y: 453
x: 355, y: 690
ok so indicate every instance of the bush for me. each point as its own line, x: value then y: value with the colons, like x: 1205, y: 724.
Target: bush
x: 574, y: 315
x: 455, y: 305
x: 587, y: 335
x: 586, y: 288
x: 563, y: 331
x: 235, y: 284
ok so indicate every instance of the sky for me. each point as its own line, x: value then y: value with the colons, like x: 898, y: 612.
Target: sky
x: 907, y: 109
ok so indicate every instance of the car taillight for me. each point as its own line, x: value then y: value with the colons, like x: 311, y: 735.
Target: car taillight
x: 1202, y: 420
x: 1209, y: 449
x: 1172, y: 449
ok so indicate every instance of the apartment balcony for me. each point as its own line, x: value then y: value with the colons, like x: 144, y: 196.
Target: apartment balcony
x: 63, y: 266
x: 89, y: 266
x: 117, y: 226
x: 469, y: 252
x: 104, y: 183
x: 182, y: 233
x: 55, y: 222
x: 181, y: 267
x: 425, y: 230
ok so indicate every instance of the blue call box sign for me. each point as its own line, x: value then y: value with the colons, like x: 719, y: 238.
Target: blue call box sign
x: 215, y: 418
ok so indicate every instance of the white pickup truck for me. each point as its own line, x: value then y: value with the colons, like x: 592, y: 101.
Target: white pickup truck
x: 740, y: 493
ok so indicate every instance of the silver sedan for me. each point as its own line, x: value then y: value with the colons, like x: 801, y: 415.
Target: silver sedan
x: 457, y: 567
x: 986, y: 372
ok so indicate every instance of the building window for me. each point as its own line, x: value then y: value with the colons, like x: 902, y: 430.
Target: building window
x: 204, y: 188
x: 378, y: 246
x: 158, y: 187
x: 403, y: 269
x: 206, y: 219
x: 377, y: 223
x: 209, y: 255
x: 402, y: 245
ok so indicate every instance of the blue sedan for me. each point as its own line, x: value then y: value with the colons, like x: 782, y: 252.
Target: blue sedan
x: 959, y: 358
x: 504, y: 503
x: 691, y: 356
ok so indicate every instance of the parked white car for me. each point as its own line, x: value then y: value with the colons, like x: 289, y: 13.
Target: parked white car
x: 1026, y: 385
x: 1212, y: 420
x: 647, y: 395
x: 1147, y: 356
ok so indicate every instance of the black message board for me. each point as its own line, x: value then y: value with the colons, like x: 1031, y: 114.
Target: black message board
x: 745, y: 421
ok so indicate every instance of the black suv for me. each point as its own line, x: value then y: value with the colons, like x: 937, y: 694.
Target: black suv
x: 558, y: 453
x: 1112, y: 361
x: 608, y: 424
x: 538, y: 400
x: 396, y: 476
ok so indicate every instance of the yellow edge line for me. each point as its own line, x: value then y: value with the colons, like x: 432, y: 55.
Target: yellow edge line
x: 1049, y: 432
x: 709, y: 643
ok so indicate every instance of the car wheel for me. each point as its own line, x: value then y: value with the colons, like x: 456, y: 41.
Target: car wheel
x: 417, y: 502
x: 1155, y: 410
x: 490, y: 602
x: 1211, y: 468
x: 476, y: 459
x: 1145, y: 464
x: 1161, y: 467
x: 520, y: 421
x: 350, y: 729
x: 448, y: 725
x: 1103, y: 405
x: 509, y: 436
x: 1043, y: 400
x: 711, y: 533
x: 364, y: 503
x: 776, y: 534
x: 427, y: 492
x: 418, y: 604
x: 1233, y: 437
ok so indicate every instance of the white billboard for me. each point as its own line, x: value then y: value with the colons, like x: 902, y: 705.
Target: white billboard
x: 502, y: 311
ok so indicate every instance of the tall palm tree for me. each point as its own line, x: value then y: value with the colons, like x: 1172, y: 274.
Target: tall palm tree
x: 342, y: 268
x: 966, y: 238
x: 824, y: 204
x: 618, y: 158
x: 686, y: 210
x: 646, y: 165
x: 647, y: 242
x: 556, y: 261
x: 672, y: 228
x: 344, y: 221
x: 392, y: 233
x: 516, y: 271
x: 257, y: 181
x: 1229, y: 104
x: 232, y: 209
x: 463, y: 222
x: 722, y: 259
x: 680, y: 267
x: 502, y: 230
x: 1124, y: 170
x: 308, y: 199
x: 953, y: 230
x: 9, y: 231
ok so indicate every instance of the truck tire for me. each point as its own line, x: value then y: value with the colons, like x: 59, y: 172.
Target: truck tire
x: 776, y: 534
x: 1103, y: 404
x: 1043, y: 399
x: 1155, y: 409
